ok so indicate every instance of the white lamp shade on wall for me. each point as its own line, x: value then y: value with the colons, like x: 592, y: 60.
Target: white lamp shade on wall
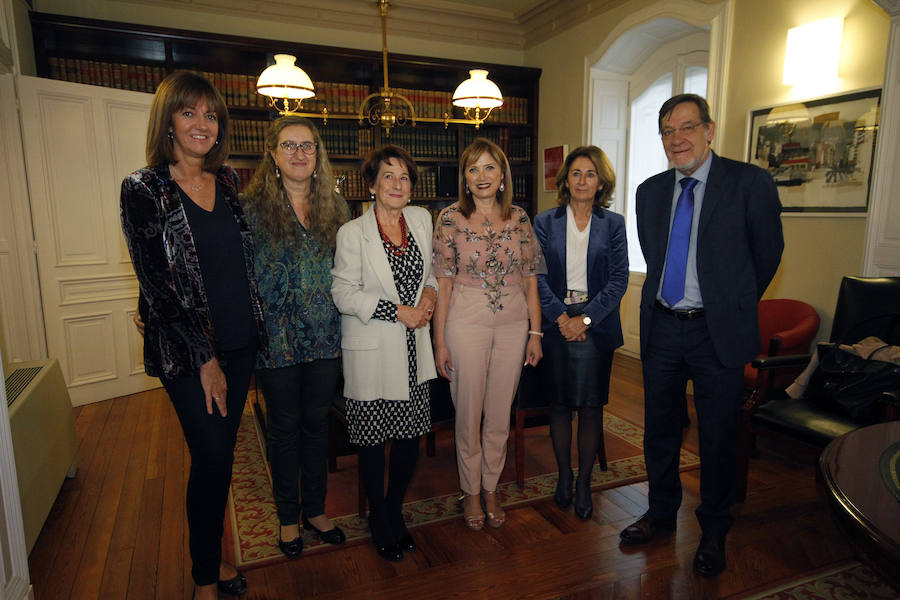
x: 284, y: 79
x: 813, y: 52
x: 477, y: 92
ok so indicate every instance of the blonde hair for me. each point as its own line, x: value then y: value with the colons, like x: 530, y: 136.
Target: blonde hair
x: 180, y: 89
x: 266, y: 196
x: 471, y: 154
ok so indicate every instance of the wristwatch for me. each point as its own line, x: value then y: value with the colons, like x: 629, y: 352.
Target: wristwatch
x: 586, y: 320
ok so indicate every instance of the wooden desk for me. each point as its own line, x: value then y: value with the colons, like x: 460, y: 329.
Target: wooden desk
x: 862, y: 505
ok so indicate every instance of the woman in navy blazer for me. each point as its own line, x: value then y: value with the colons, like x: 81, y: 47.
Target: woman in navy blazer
x: 587, y: 274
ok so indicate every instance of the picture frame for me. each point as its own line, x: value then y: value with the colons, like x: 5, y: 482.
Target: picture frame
x: 820, y: 152
x: 554, y: 156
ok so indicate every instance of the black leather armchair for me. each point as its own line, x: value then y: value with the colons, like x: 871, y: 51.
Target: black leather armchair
x: 865, y: 307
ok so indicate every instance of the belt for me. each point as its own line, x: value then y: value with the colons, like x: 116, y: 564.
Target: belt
x: 685, y: 314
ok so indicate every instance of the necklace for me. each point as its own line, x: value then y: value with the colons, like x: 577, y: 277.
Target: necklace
x: 192, y: 186
x: 395, y: 249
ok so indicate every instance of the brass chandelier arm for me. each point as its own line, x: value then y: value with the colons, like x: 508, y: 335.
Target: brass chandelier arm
x: 387, y: 108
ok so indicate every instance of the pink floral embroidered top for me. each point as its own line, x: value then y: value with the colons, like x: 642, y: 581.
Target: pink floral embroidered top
x: 478, y: 255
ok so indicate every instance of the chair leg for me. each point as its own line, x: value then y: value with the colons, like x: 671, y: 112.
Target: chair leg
x: 360, y: 491
x: 332, y: 443
x: 743, y: 461
x: 520, y: 449
x: 601, y: 450
x: 429, y: 444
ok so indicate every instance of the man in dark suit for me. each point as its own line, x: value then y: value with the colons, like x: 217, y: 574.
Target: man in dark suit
x: 710, y: 230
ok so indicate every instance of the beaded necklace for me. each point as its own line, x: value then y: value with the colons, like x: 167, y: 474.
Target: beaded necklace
x: 395, y: 249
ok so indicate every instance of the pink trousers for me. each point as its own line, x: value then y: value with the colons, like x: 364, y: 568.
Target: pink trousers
x: 487, y: 350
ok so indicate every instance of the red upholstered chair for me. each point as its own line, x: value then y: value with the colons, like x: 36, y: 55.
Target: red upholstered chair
x: 785, y: 327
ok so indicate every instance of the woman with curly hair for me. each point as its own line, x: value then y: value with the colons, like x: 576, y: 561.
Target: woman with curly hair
x: 294, y: 213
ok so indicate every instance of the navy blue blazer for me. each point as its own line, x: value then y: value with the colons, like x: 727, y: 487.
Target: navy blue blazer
x: 607, y: 272
x: 739, y: 247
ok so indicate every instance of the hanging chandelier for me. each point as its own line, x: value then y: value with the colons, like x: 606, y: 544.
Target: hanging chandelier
x: 287, y: 85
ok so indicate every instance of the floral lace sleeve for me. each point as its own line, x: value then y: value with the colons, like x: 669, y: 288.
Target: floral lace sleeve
x: 444, y: 255
x: 532, y: 258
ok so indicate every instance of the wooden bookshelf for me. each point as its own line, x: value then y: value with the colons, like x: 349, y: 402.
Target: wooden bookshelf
x: 137, y: 57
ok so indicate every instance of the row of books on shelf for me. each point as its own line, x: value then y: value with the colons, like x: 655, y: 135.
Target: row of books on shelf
x: 517, y: 147
x: 239, y: 90
x: 139, y: 78
x: 249, y: 137
x: 347, y: 139
x: 351, y: 184
x: 425, y: 143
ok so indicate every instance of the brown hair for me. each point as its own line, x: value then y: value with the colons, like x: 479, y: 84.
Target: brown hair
x: 180, y: 89
x: 372, y: 164
x: 605, y: 173
x: 265, y: 194
x: 669, y: 105
x: 471, y: 154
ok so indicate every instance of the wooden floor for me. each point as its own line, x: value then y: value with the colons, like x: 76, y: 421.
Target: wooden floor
x: 118, y: 531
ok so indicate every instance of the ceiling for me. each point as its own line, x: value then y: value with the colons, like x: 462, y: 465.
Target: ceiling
x: 513, y: 8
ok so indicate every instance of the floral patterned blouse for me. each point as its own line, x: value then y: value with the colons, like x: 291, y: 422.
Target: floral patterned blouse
x: 478, y: 255
x: 295, y: 285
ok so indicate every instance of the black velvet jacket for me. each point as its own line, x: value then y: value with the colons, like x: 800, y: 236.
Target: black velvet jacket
x: 178, y: 332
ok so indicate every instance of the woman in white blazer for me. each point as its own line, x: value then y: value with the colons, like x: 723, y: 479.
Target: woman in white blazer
x: 383, y: 287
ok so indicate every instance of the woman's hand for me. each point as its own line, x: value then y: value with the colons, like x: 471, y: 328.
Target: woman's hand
x: 573, y: 329
x: 442, y: 361
x: 215, y: 388
x: 533, y: 351
x: 138, y: 323
x: 412, y: 316
x: 426, y: 302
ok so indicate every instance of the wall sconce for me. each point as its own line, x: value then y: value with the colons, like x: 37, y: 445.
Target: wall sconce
x: 813, y: 52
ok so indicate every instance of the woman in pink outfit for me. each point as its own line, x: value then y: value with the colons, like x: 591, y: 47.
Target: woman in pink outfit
x: 487, y: 320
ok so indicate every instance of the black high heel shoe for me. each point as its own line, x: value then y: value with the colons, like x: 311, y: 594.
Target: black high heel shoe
x: 291, y: 549
x: 334, y: 535
x: 563, y: 495
x: 583, y: 510
x: 236, y: 586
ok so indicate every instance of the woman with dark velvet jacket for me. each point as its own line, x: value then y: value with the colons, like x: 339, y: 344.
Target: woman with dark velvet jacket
x: 192, y: 253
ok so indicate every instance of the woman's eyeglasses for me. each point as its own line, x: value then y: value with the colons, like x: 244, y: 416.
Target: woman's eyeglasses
x: 290, y: 148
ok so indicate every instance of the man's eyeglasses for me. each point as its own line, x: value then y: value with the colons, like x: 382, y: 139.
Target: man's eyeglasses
x: 685, y: 129
x: 290, y: 148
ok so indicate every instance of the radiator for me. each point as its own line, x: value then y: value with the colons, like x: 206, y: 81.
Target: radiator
x: 43, y: 437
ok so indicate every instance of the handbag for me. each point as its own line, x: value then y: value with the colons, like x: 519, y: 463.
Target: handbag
x: 852, y: 385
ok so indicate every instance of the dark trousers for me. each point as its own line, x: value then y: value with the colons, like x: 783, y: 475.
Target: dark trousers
x: 297, y: 402
x: 210, y: 439
x: 679, y: 350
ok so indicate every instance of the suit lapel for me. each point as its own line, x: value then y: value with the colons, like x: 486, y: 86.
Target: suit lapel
x: 713, y: 193
x: 376, y: 257
x: 664, y: 215
x: 594, y: 241
x: 558, y: 243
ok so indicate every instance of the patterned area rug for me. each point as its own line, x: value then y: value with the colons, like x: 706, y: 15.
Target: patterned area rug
x: 851, y: 581
x: 252, y: 529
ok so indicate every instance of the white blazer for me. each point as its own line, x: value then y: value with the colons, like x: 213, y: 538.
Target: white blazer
x: 375, y: 356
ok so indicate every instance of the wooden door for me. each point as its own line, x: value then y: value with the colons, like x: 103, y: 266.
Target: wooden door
x: 80, y: 142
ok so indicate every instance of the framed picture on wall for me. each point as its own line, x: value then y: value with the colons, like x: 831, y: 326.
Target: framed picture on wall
x: 819, y: 152
x: 553, y: 160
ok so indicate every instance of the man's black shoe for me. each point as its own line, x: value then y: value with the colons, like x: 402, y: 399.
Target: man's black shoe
x: 645, y: 529
x: 710, y: 558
